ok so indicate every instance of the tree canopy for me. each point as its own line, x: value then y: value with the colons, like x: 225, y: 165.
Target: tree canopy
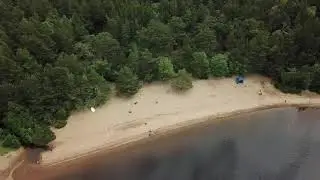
x: 60, y: 56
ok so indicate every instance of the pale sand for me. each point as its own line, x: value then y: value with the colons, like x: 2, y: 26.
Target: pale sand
x: 159, y: 109
x: 13, y: 169
x: 8, y: 161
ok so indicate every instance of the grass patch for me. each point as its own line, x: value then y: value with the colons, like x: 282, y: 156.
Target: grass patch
x: 5, y: 150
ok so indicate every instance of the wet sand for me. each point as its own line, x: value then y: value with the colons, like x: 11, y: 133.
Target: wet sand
x: 8, y: 161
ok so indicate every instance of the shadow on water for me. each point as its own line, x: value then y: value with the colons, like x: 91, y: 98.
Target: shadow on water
x: 291, y: 170
x: 216, y: 162
x: 221, y: 165
x: 270, y: 145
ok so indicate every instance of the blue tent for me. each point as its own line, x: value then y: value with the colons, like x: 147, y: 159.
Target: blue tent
x: 239, y: 79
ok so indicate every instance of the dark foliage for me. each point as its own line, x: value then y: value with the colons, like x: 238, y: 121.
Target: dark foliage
x: 11, y: 141
x: 59, y: 56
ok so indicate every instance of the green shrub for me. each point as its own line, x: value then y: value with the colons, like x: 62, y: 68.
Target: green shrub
x: 182, y: 82
x: 3, y: 133
x: 200, y: 65
x: 236, y: 67
x: 127, y: 82
x: 42, y: 135
x: 60, y: 124
x: 11, y: 141
x: 293, y: 81
x: 22, y: 124
x: 219, y: 65
x: 287, y: 89
x: 61, y: 114
x: 315, y: 82
x: 165, y: 68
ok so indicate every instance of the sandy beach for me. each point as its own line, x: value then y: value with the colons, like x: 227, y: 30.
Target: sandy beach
x: 8, y: 161
x: 156, y: 110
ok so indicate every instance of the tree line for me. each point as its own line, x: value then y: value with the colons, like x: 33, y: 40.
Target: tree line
x: 60, y: 56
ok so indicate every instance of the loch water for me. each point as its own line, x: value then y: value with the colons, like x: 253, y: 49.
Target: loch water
x: 274, y: 144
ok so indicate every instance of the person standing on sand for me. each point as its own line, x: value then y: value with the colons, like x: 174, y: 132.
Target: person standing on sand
x: 150, y: 132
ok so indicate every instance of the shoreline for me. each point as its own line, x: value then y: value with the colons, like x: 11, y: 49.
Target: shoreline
x: 9, y: 161
x: 112, y: 127
x: 141, y: 138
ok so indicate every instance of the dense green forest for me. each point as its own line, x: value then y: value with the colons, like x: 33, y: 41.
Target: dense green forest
x: 59, y: 56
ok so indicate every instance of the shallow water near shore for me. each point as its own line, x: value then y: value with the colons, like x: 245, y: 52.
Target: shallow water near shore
x: 275, y: 144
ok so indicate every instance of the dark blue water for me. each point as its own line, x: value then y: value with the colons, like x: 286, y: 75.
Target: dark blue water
x: 278, y: 144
